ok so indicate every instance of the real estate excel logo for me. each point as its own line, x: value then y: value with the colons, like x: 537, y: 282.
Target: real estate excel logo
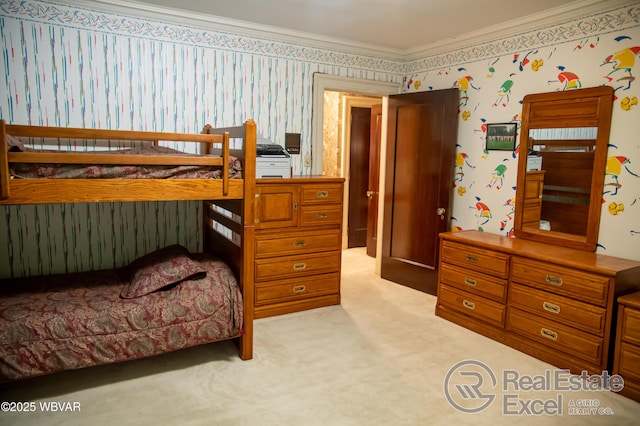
x: 470, y: 386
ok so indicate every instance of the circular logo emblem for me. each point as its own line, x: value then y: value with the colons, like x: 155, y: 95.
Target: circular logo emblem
x: 469, y: 386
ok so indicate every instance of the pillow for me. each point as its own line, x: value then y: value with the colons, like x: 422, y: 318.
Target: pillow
x: 15, y: 145
x: 160, y: 269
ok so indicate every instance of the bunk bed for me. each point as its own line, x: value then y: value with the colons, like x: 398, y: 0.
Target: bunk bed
x: 162, y: 301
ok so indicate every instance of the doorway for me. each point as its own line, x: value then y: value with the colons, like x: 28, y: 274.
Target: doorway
x: 359, y: 152
x: 397, y: 256
x: 346, y: 149
x: 323, y: 83
x: 326, y: 82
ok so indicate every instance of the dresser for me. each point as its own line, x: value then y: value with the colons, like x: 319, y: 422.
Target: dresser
x: 554, y: 303
x: 298, y: 242
x: 627, y: 350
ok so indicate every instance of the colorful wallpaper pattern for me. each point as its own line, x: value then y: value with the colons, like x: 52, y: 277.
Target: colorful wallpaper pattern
x: 77, y: 66
x: 582, y: 53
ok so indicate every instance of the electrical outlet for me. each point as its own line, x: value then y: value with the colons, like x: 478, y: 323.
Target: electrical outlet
x: 307, y: 160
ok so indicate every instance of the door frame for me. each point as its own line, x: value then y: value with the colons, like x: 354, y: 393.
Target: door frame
x: 350, y: 102
x: 375, y: 147
x: 322, y: 82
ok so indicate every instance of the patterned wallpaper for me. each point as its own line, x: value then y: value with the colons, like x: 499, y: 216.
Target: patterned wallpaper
x: 52, y: 238
x: 76, y: 66
x: 494, y: 77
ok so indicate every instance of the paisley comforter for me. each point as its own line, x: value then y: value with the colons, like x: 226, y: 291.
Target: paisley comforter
x: 100, y: 171
x: 62, y: 322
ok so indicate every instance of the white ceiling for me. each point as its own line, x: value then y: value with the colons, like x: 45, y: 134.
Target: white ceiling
x: 395, y: 25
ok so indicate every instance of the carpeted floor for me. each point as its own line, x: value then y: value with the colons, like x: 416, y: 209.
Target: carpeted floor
x: 380, y: 358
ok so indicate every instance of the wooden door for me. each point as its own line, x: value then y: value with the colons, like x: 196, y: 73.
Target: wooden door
x: 358, y: 176
x: 374, y: 177
x: 421, y: 144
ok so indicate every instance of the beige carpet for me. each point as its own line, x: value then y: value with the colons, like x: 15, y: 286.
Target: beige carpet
x: 378, y: 359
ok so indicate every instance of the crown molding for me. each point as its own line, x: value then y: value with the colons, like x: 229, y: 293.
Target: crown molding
x: 234, y: 26
x: 569, y: 12
x: 133, y: 9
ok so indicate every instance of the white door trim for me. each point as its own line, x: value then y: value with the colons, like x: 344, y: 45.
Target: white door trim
x: 322, y: 82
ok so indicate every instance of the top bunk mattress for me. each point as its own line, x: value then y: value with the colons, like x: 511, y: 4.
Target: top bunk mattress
x: 101, y: 171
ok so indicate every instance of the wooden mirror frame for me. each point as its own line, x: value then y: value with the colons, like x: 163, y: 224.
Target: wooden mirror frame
x: 591, y: 107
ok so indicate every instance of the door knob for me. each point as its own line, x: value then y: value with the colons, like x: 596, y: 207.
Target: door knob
x: 370, y: 194
x: 440, y: 211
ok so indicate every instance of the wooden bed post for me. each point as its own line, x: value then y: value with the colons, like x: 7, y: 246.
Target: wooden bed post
x: 225, y: 166
x: 249, y: 176
x: 242, y: 207
x: 249, y: 173
x: 4, y: 162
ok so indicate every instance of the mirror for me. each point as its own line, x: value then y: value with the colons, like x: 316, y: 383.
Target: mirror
x: 563, y: 151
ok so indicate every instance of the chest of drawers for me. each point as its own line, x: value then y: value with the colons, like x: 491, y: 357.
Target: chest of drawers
x: 627, y: 350
x: 551, y: 302
x: 298, y: 242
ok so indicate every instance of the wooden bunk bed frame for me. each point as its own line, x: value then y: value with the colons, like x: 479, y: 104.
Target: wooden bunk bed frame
x: 229, y: 202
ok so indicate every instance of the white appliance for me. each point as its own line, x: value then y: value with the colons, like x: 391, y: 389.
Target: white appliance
x: 272, y: 161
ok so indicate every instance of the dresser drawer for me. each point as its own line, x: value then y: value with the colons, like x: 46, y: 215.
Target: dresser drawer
x: 567, y: 311
x: 569, y: 282
x: 629, y: 364
x: 295, y: 266
x: 474, y: 282
x: 269, y: 245
x: 471, y: 304
x: 294, y: 289
x: 631, y: 326
x: 330, y: 214
x: 478, y: 259
x: 557, y: 336
x: 324, y: 193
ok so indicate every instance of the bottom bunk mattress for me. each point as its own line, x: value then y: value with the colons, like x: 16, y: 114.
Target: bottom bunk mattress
x: 63, y: 322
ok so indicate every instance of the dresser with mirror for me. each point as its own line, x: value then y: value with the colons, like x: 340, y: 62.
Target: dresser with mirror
x: 546, y: 292
x: 565, y: 135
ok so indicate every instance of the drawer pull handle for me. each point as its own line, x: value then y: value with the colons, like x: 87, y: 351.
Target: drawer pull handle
x: 322, y: 194
x: 470, y: 282
x: 549, y: 334
x: 471, y: 258
x: 469, y: 305
x: 321, y: 215
x: 299, y: 289
x: 299, y: 243
x: 299, y: 266
x: 551, y: 307
x: 553, y: 280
